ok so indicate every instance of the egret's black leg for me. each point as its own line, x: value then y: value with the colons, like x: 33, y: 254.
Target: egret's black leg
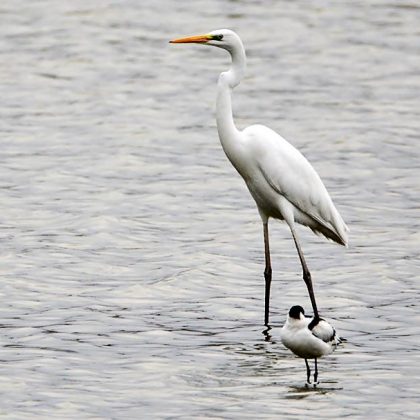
x: 267, y: 274
x: 308, y: 372
x: 316, y: 372
x: 306, y: 274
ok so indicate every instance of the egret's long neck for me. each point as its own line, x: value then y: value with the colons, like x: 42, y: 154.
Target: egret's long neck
x: 228, y: 133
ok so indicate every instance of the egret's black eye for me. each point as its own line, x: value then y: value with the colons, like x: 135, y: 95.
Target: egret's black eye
x: 217, y: 37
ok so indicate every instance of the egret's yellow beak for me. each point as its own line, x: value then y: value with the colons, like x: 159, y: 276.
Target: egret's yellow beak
x: 197, y: 39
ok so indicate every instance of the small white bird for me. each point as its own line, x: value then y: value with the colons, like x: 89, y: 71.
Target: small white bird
x: 308, y: 338
x: 282, y: 182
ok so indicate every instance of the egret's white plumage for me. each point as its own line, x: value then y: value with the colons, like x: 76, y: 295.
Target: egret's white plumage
x: 282, y: 182
x: 285, y: 186
x: 308, y: 337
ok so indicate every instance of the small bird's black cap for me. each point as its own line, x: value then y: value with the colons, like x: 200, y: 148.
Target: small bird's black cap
x: 295, y: 311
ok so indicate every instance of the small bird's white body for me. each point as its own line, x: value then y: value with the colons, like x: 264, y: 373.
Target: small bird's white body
x: 309, y: 338
x: 306, y: 343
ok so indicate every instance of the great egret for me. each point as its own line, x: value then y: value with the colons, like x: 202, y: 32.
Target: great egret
x: 308, y: 338
x: 282, y: 182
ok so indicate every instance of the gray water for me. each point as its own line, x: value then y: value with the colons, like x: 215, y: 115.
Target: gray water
x: 131, y: 251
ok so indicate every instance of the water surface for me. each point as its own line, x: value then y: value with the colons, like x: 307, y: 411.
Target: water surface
x: 131, y: 251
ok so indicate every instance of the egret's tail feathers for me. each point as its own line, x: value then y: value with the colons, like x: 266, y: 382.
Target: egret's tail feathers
x: 338, y: 237
x: 330, y: 224
x: 340, y: 228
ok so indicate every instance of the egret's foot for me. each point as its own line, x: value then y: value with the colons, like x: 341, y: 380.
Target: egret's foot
x: 315, y: 384
x: 307, y: 384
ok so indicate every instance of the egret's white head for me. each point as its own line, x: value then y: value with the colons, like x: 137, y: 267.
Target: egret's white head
x: 222, y: 38
x: 229, y: 41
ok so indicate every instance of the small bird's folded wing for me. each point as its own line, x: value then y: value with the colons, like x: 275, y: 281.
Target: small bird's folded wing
x: 324, y: 331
